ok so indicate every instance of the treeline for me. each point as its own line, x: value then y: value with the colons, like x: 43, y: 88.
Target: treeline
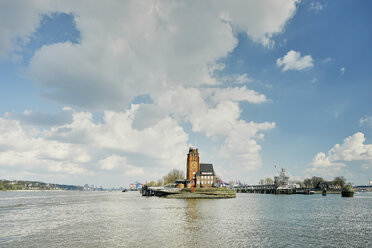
x: 314, y: 182
x: 34, y: 185
x: 172, y: 176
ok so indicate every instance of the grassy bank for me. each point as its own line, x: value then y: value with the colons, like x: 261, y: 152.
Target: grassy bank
x: 204, y: 193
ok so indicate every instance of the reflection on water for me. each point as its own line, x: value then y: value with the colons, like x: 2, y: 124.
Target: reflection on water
x: 115, y: 219
x: 191, y: 213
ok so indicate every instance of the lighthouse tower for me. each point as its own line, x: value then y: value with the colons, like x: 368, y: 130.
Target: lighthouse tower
x: 193, y: 163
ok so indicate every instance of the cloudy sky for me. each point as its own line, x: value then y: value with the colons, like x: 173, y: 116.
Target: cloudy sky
x: 111, y: 92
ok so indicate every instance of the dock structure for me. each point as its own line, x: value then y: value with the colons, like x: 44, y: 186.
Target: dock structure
x: 264, y: 189
x: 280, y: 186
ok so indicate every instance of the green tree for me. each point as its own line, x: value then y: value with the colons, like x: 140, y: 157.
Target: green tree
x: 174, y: 175
x: 159, y: 182
x: 269, y: 180
x: 307, y: 183
x: 339, y: 181
x: 300, y: 183
x: 151, y: 184
x: 316, y: 180
x: 261, y: 182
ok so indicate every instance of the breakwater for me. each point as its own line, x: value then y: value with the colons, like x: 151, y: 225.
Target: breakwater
x: 187, y: 193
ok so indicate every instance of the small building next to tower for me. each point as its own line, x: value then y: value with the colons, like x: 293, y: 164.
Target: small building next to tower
x: 201, y: 174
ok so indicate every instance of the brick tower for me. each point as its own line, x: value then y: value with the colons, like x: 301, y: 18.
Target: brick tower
x: 193, y: 163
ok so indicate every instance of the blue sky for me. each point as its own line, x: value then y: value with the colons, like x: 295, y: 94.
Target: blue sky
x: 115, y: 93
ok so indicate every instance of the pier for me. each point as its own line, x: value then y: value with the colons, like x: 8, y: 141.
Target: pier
x: 264, y: 189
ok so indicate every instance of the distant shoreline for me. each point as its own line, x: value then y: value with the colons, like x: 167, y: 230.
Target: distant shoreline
x: 24, y: 190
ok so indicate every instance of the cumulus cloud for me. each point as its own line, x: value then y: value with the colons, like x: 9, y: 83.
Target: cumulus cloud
x: 22, y: 148
x: 169, y: 51
x: 59, y: 149
x: 116, y: 145
x: 144, y: 47
x: 241, y: 146
x: 18, y: 20
x: 352, y: 149
x: 293, y: 61
x: 120, y: 164
x: 215, y: 112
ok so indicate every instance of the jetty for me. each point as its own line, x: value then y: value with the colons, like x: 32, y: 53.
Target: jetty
x: 264, y: 189
x: 281, y: 186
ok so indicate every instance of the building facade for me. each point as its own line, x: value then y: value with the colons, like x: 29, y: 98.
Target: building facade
x: 202, y: 175
x: 205, y: 177
x: 193, y: 163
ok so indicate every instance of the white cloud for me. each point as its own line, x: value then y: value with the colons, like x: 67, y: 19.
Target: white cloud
x: 242, y: 79
x: 112, y: 162
x: 241, y: 146
x: 117, y: 133
x: 327, y: 60
x: 167, y: 50
x: 342, y: 70
x: 237, y: 79
x: 237, y: 94
x: 220, y: 118
x: 293, y: 61
x: 324, y: 166
x: 366, y: 121
x: 83, y: 147
x: 314, y: 80
x: 145, y: 47
x: 352, y: 149
x: 120, y: 164
x: 18, y: 19
x: 316, y: 6
x: 38, y: 118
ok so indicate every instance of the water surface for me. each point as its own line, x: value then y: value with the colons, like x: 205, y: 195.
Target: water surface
x: 116, y: 219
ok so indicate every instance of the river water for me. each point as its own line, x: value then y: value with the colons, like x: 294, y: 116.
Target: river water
x: 116, y: 219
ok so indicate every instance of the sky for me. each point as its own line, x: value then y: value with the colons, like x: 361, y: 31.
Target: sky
x: 113, y: 92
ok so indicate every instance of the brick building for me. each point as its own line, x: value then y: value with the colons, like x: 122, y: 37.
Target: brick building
x: 202, y: 174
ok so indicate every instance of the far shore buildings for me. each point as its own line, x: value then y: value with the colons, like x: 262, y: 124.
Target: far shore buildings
x: 202, y: 175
